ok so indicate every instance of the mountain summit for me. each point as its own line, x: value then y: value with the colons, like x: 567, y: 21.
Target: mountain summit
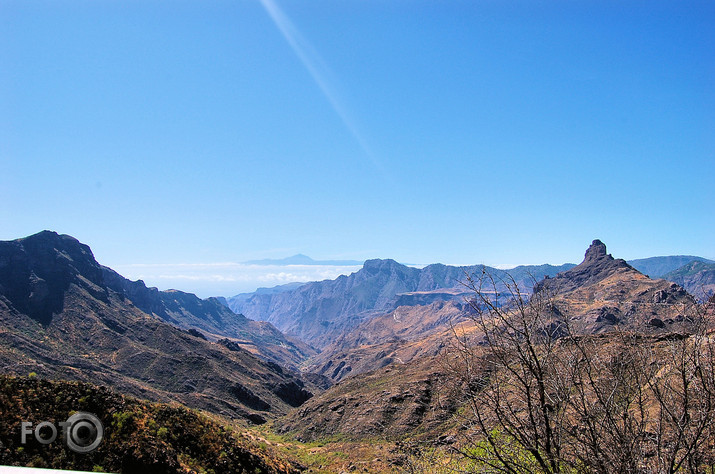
x: 596, y: 251
x: 597, y: 265
x: 36, y: 271
x: 602, y: 292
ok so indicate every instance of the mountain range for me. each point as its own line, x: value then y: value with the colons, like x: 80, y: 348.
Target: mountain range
x: 413, y: 331
x: 659, y: 267
x: 359, y: 357
x: 319, y: 312
x: 409, y: 394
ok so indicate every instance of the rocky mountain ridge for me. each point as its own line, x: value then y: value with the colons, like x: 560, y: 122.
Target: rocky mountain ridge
x: 419, y: 330
x: 320, y: 312
x: 659, y: 267
x: 600, y: 296
x: 602, y: 293
x: 61, y: 319
x: 212, y: 319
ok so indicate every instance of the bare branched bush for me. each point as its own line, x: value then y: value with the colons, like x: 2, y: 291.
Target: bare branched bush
x: 541, y: 396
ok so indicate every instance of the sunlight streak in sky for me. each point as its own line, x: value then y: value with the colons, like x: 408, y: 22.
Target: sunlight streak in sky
x: 320, y: 73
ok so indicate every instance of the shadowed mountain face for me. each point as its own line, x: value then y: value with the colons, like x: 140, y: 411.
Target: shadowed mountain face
x: 64, y: 316
x: 35, y: 273
x: 320, y: 312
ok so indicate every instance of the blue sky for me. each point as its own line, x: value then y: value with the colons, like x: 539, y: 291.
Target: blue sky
x: 498, y: 132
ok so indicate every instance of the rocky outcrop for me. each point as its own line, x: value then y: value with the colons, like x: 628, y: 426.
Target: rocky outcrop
x: 597, y: 265
x: 603, y: 293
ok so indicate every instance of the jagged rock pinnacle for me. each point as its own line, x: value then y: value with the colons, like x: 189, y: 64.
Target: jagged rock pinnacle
x: 596, y: 251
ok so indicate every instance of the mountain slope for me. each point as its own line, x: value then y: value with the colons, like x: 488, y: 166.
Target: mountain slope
x: 316, y: 312
x: 60, y: 319
x: 657, y: 267
x: 319, y: 312
x: 393, y: 338
x: 212, y: 318
x: 397, y: 400
x: 697, y: 277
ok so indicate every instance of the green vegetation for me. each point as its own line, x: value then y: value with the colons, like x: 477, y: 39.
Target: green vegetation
x: 335, y: 453
x: 138, y: 436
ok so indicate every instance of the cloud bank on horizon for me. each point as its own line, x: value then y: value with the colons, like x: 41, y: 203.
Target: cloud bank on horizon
x: 232, y: 278
x: 228, y: 278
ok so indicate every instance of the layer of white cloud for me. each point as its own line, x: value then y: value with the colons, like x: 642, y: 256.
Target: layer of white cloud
x: 227, y: 279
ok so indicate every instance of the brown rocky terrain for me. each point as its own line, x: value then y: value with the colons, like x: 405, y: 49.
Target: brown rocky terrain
x: 603, y: 293
x: 396, y: 337
x: 394, y: 401
x: 600, y: 295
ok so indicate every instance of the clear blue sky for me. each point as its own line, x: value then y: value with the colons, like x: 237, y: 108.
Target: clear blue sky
x: 493, y: 131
